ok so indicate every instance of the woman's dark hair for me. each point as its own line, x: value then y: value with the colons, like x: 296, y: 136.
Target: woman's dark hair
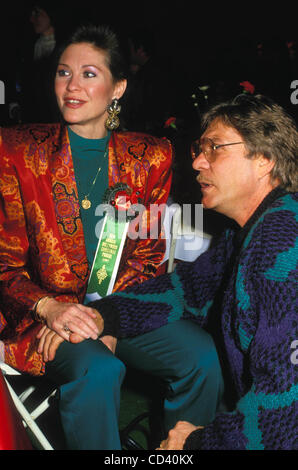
x: 266, y: 129
x: 104, y: 39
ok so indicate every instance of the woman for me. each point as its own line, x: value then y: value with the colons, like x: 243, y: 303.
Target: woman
x: 52, y: 179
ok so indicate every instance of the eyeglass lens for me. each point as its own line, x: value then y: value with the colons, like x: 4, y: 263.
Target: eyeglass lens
x: 199, y: 146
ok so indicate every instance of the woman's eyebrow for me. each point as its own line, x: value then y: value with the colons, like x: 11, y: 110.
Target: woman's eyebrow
x: 83, y: 66
x: 91, y: 65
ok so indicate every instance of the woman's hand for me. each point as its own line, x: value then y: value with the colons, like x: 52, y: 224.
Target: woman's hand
x: 49, y: 341
x: 71, y: 321
x: 110, y: 342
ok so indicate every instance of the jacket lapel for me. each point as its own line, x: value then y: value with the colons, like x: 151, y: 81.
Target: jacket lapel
x: 128, y: 160
x: 67, y: 209
x: 122, y: 165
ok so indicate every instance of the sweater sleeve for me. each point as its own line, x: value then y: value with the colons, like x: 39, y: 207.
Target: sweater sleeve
x: 265, y: 415
x: 188, y: 292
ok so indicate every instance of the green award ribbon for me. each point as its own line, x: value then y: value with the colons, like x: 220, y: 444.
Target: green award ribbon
x: 107, y: 259
x: 111, y: 240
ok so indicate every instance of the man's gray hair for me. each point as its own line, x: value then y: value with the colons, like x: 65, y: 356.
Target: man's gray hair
x: 266, y: 129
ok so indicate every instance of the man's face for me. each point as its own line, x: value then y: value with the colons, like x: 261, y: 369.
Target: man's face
x: 41, y: 21
x: 228, y: 183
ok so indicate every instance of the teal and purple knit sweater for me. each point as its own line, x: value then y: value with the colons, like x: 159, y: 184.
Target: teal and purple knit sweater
x: 243, y: 290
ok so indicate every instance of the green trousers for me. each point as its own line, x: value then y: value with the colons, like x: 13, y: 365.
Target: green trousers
x: 89, y: 377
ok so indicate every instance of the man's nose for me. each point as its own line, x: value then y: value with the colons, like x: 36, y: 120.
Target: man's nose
x: 200, y: 162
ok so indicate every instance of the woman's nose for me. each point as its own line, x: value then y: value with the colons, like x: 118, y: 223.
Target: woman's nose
x: 73, y: 83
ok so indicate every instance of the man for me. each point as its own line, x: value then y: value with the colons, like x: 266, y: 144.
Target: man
x: 243, y: 290
x: 36, y: 65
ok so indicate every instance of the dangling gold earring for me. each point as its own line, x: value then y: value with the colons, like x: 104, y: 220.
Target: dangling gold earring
x: 113, y: 120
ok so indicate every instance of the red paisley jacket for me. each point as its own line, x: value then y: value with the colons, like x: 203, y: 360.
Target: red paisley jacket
x: 42, y: 248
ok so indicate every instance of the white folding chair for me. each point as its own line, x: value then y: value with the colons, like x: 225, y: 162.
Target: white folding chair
x: 28, y: 418
x: 182, y: 242
x: 175, y: 222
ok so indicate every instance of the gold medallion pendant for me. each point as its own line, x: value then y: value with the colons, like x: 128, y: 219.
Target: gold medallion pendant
x: 86, y: 204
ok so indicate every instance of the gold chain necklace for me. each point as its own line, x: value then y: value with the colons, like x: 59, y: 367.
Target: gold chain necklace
x: 86, y: 203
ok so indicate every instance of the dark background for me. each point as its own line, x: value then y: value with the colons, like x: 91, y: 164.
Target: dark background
x: 194, y: 43
x: 199, y: 42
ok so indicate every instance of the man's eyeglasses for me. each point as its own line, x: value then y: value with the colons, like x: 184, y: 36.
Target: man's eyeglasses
x: 208, y: 148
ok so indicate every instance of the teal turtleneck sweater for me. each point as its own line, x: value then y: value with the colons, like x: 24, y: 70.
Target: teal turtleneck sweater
x: 88, y: 155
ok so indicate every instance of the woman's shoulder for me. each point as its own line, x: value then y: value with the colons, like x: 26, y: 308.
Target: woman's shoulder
x: 14, y: 136
x: 139, y: 138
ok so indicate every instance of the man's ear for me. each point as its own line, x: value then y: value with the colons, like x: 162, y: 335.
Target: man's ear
x: 264, y: 165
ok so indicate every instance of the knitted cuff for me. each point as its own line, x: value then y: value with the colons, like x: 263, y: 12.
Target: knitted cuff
x: 110, y: 316
x: 193, y: 441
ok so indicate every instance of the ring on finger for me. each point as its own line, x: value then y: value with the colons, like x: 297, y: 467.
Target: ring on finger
x: 65, y: 328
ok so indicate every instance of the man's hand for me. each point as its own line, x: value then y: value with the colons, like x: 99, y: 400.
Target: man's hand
x: 177, y: 436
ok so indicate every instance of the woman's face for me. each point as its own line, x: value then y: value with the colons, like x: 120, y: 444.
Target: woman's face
x: 84, y: 88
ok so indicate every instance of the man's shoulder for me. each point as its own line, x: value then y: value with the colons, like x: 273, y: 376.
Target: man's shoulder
x: 284, y: 211
x: 277, y: 230
x: 289, y: 202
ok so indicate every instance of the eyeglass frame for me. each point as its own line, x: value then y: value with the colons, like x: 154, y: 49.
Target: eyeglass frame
x: 214, y: 147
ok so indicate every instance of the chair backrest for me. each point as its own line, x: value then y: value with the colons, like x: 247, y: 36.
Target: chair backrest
x: 182, y: 241
x: 172, y: 223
